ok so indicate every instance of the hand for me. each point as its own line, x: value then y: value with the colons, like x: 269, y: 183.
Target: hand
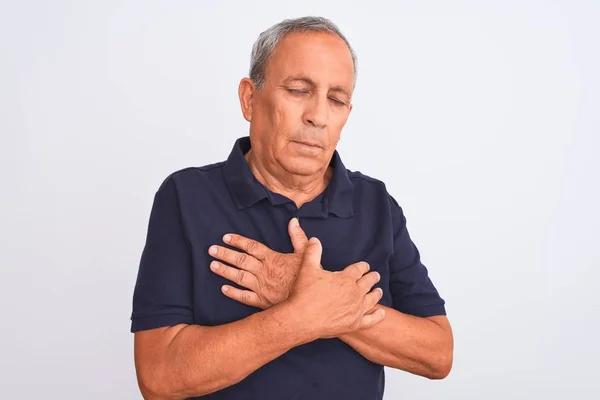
x: 334, y: 303
x: 267, y: 274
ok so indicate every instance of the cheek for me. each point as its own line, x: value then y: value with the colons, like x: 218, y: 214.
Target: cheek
x: 287, y: 120
x: 336, y: 124
x: 340, y: 118
x: 269, y: 113
x: 290, y: 112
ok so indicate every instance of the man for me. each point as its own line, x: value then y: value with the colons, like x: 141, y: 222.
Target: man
x: 233, y: 301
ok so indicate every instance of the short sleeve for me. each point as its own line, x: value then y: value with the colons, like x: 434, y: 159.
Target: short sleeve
x: 412, y: 290
x: 163, y: 290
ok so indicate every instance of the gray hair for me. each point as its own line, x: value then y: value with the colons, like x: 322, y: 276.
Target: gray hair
x: 268, y: 40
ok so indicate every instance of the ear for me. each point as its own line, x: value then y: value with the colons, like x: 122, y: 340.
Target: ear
x: 246, y: 91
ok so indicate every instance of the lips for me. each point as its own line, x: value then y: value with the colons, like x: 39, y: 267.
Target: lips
x: 311, y: 144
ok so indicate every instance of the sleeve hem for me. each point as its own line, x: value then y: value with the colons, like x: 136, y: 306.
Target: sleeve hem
x: 428, y: 311
x: 141, y: 324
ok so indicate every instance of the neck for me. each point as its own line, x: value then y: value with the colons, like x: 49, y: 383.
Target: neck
x: 298, y: 188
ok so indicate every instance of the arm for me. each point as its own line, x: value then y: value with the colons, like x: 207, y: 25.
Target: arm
x: 422, y: 346
x: 415, y: 335
x: 174, y: 358
x: 190, y: 360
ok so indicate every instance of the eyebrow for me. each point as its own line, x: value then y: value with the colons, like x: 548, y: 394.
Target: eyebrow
x: 338, y: 88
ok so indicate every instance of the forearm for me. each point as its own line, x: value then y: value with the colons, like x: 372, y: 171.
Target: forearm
x: 200, y: 360
x: 417, y: 345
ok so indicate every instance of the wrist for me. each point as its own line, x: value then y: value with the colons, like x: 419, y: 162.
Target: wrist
x: 295, y: 323
x: 349, y: 336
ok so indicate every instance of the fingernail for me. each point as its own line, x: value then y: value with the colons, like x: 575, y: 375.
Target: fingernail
x: 226, y: 238
x: 225, y: 288
x: 212, y: 250
x: 380, y: 291
x: 295, y: 222
x: 214, y: 265
x: 378, y: 276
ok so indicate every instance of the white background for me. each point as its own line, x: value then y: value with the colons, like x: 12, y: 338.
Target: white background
x: 481, y: 117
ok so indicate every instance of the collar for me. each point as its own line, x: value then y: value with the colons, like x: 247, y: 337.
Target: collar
x: 246, y: 190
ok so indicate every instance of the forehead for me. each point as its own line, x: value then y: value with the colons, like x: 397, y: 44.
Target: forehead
x: 323, y: 57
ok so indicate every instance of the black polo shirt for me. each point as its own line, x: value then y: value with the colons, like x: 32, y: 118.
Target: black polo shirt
x: 355, y: 218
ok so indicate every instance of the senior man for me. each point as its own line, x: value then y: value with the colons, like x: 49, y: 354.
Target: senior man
x: 232, y: 299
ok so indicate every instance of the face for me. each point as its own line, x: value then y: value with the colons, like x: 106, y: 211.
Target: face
x: 297, y: 117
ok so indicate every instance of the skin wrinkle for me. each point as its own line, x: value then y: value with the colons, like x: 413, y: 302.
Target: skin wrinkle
x: 171, y: 362
x: 305, y: 97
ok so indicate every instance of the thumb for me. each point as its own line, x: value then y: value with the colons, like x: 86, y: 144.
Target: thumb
x: 297, y: 235
x: 312, y: 254
x: 375, y: 316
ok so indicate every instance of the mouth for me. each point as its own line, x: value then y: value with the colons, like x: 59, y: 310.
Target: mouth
x: 308, y: 144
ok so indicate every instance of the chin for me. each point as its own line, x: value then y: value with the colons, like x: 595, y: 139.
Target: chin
x: 301, y: 166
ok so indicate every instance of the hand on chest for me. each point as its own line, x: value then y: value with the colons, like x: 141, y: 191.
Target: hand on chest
x: 275, y: 260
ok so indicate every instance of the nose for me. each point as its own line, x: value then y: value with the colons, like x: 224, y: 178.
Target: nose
x: 317, y: 111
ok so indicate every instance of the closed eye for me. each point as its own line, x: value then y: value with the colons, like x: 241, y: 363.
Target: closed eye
x: 337, y: 102
x: 303, y: 92
x: 297, y: 91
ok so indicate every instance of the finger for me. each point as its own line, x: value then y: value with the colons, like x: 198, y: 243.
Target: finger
x: 357, y: 270
x: 247, y: 297
x: 236, y: 258
x: 367, y: 281
x: 252, y: 247
x: 297, y: 235
x: 312, y: 254
x: 371, y: 299
x: 239, y: 276
x: 372, y: 319
x: 369, y: 311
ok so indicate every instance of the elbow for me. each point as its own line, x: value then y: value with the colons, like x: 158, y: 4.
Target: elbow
x: 441, y: 368
x: 152, y: 387
x: 443, y: 357
x: 155, y: 384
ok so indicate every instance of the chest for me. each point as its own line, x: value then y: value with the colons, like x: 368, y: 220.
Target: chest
x: 345, y: 241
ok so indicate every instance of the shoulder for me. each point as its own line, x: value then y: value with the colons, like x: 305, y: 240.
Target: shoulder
x: 367, y: 184
x: 358, y: 178
x: 189, y: 177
